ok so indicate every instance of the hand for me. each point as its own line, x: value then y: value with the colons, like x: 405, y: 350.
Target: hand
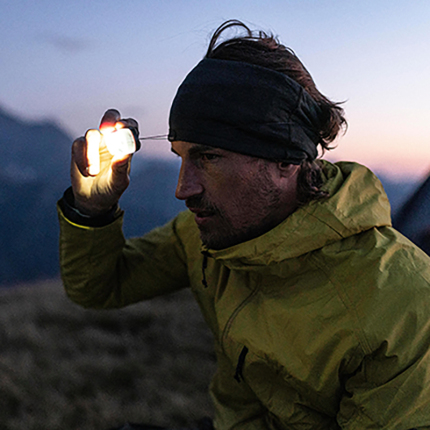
x: 98, y: 178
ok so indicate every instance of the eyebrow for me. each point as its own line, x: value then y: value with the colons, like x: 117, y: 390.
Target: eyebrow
x: 196, y: 148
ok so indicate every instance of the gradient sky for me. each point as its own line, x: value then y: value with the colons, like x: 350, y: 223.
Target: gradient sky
x: 71, y: 60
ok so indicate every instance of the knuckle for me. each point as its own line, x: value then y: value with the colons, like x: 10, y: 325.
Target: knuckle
x: 130, y: 123
x: 78, y: 144
x: 111, y: 116
x: 112, y: 113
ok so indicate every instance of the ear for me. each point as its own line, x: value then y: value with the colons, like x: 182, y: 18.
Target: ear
x: 288, y: 170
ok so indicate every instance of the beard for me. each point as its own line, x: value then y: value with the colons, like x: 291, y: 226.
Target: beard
x: 219, y: 233
x: 223, y: 230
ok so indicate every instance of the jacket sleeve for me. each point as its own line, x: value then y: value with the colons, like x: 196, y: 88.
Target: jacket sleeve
x: 390, y: 386
x: 383, y: 396
x: 100, y: 269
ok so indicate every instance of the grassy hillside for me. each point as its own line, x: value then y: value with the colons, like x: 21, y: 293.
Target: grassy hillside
x: 63, y: 367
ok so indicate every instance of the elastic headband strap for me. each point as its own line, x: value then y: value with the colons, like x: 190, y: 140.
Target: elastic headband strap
x: 248, y: 109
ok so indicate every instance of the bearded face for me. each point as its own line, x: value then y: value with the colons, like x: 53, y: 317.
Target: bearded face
x: 234, y: 197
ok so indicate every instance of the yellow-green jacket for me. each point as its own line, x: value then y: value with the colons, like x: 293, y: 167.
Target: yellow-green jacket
x: 321, y: 323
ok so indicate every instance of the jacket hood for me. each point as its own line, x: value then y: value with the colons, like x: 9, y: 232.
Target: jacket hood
x: 357, y: 203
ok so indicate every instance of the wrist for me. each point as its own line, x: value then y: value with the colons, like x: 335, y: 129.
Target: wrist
x: 81, y: 216
x: 89, y: 211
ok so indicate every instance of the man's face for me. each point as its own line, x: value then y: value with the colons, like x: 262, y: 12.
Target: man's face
x: 234, y: 197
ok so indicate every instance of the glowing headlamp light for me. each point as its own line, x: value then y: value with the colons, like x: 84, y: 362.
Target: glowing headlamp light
x: 120, y: 141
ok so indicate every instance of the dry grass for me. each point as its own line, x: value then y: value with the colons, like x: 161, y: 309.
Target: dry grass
x: 63, y: 367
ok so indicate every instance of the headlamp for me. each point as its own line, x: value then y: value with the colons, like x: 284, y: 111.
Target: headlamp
x: 120, y: 141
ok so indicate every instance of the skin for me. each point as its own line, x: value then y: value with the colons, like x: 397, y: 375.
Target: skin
x: 234, y: 197
x: 97, y: 193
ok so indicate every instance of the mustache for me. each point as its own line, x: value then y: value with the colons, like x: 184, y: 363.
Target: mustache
x: 201, y: 204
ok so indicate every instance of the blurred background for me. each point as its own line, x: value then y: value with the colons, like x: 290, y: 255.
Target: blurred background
x: 64, y: 63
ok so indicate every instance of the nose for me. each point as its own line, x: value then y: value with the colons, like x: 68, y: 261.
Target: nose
x: 189, y: 183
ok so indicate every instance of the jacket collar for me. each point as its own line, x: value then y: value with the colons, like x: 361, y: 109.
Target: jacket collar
x: 357, y: 203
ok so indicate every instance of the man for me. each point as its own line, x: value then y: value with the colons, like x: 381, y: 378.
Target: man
x: 319, y: 309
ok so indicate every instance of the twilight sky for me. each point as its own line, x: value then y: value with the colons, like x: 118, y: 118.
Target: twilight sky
x: 71, y: 60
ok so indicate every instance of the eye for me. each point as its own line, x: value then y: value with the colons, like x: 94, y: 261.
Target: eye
x: 207, y: 156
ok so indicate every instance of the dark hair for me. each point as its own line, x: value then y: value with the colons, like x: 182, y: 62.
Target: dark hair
x: 265, y: 50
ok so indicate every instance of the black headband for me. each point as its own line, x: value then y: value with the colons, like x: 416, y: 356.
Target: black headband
x: 248, y: 109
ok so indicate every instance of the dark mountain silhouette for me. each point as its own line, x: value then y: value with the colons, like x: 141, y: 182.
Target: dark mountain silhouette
x: 150, y: 199
x: 32, y: 150
x: 33, y: 171
x: 413, y: 218
x: 398, y: 191
x: 34, y: 174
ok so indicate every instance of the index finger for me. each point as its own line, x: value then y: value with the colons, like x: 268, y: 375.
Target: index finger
x: 110, y: 118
